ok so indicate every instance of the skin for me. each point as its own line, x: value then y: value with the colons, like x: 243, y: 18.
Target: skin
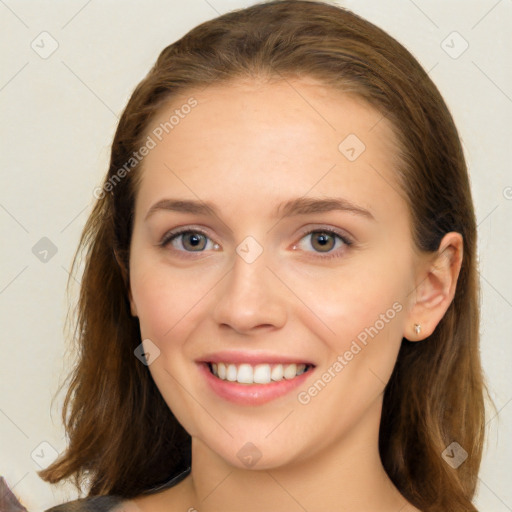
x: 246, y: 147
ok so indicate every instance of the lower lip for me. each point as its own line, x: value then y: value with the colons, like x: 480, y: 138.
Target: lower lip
x: 251, y: 394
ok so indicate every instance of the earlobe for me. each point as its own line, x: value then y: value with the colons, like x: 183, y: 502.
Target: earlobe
x: 436, y: 289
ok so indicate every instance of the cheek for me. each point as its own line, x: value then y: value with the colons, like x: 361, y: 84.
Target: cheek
x: 161, y: 307
x: 366, y: 332
x: 167, y: 300
x: 362, y: 347
x: 348, y: 302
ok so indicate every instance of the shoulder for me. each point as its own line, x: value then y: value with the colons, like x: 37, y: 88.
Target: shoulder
x: 93, y: 504
x: 116, y: 503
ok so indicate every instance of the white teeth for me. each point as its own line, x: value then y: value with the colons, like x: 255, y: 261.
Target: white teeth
x: 244, y: 375
x: 261, y: 374
x: 290, y: 371
x: 231, y: 373
x: 258, y: 374
x: 277, y: 372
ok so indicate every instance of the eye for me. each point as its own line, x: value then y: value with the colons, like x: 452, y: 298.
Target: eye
x: 324, y: 241
x: 188, y: 240
x: 327, y: 243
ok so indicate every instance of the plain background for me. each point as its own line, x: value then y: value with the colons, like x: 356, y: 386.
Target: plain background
x: 58, y: 115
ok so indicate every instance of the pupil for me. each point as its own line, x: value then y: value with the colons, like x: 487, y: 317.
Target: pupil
x: 194, y: 240
x: 323, y: 240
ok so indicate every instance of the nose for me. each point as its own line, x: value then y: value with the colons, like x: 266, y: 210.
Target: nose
x: 251, y: 297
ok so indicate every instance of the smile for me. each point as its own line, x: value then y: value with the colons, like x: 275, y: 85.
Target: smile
x: 256, y: 382
x: 264, y: 373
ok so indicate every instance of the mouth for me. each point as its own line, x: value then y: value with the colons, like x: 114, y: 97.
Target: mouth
x: 263, y: 373
x: 253, y: 379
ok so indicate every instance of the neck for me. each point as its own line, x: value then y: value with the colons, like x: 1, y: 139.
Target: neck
x: 347, y: 476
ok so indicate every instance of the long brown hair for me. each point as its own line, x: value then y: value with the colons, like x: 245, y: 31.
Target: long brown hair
x: 123, y: 438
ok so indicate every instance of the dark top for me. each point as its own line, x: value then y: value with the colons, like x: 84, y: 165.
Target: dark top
x: 9, y: 502
x: 107, y: 503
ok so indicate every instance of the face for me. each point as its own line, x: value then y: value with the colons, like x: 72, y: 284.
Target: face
x: 296, y: 275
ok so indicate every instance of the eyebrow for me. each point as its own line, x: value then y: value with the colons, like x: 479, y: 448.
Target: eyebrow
x: 298, y: 206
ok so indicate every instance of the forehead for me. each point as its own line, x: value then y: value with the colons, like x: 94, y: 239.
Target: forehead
x: 284, y: 139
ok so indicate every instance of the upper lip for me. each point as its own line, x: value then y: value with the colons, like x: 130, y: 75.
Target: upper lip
x: 252, y: 358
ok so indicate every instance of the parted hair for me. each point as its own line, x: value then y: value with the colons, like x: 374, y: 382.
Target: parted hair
x: 122, y: 437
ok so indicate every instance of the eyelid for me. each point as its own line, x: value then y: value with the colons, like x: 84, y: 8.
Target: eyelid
x: 345, y: 237
x: 347, y: 243
x: 167, y: 237
x: 176, y: 232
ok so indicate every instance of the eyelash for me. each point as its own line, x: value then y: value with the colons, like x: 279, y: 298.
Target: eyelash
x: 171, y: 235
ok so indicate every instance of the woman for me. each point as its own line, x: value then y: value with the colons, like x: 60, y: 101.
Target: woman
x: 279, y: 305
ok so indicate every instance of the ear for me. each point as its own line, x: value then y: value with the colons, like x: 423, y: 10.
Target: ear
x: 436, y: 289
x: 124, y: 273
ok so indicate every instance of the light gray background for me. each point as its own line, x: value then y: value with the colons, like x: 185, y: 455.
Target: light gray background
x: 58, y: 116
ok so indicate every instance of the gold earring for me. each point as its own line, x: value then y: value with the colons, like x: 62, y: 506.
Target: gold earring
x: 417, y: 328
